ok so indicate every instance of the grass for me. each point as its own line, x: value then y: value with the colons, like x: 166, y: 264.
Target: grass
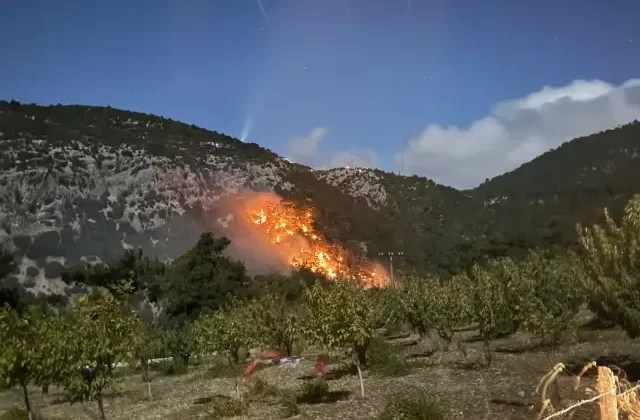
x: 385, y: 359
x: 415, y: 405
x: 287, y: 399
x: 231, y: 407
x: 15, y: 413
x: 503, y: 390
x: 313, y: 392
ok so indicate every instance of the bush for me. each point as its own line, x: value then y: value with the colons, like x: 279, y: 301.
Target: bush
x: 551, y: 294
x: 262, y: 388
x: 313, y: 392
x: 170, y: 367
x: 232, y: 407
x: 15, y: 413
x: 289, y: 403
x: 223, y: 369
x: 415, y: 406
x: 610, y: 255
x: 384, y: 360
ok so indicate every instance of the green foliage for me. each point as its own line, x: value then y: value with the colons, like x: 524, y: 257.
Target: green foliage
x: 222, y: 368
x: 492, y: 296
x: 313, y: 392
x: 262, y: 388
x: 549, y: 295
x: 103, y: 335
x: 229, y: 329
x: 23, y: 356
x: 428, y: 305
x: 7, y: 263
x: 181, y: 343
x: 228, y: 407
x: 289, y: 404
x: 203, y: 278
x: 493, y: 301
x: 15, y: 414
x: 412, y: 406
x: 611, y: 257
x: 386, y: 360
x: 148, y: 344
x: 342, y: 314
x: 9, y: 294
x: 280, y: 322
x: 141, y: 272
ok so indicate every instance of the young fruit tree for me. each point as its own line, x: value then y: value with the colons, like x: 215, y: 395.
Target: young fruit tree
x: 23, y: 360
x: 180, y: 342
x: 279, y: 321
x: 103, y: 335
x: 549, y: 295
x: 611, y: 257
x: 342, y: 314
x: 428, y: 305
x: 492, y: 299
x: 230, y: 329
x: 148, y: 345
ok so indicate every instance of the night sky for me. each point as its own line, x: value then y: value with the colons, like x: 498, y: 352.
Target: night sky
x: 335, y: 82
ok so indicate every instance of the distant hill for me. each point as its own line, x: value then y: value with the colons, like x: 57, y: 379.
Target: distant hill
x: 541, y: 201
x: 81, y: 184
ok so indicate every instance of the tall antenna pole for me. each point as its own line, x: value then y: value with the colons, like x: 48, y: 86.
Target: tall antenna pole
x: 402, y: 155
x: 390, y: 255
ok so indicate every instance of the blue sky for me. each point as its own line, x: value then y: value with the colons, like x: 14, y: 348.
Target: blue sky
x: 363, y: 71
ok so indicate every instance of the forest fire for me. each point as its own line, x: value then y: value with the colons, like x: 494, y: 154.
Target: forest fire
x: 291, y: 229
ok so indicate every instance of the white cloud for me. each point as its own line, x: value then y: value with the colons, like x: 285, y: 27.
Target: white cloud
x: 307, y: 150
x: 517, y: 131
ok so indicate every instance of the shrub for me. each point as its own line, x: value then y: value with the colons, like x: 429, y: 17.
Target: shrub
x: 262, y: 388
x: 611, y: 257
x: 550, y: 296
x: 414, y: 406
x: 15, y: 413
x: 232, y: 407
x: 430, y: 305
x: 384, y: 360
x: 223, y: 369
x: 313, y: 392
x: 289, y: 403
x: 170, y: 367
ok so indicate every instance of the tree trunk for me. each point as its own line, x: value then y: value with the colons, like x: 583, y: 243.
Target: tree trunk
x: 289, y: 349
x: 361, y: 382
x: 27, y: 403
x: 45, y: 388
x: 101, y: 407
x: 145, y: 370
x: 361, y: 354
x: 487, y: 352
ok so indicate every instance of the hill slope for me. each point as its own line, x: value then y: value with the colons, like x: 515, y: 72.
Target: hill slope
x: 82, y: 183
x: 542, y: 200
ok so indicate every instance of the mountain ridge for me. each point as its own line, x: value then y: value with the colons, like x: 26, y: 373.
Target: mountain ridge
x: 80, y: 184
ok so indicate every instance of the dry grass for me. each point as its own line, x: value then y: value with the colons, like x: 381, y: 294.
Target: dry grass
x: 453, y: 378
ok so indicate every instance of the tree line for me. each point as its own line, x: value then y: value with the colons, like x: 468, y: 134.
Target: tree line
x: 210, y: 304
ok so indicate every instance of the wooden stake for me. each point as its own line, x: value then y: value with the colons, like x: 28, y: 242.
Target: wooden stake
x: 606, y: 386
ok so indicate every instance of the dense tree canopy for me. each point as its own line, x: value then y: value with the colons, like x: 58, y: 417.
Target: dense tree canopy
x: 203, y: 278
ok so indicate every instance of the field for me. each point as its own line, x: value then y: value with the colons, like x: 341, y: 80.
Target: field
x: 453, y: 377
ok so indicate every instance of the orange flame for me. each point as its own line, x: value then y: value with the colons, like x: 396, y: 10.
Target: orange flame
x: 286, y: 224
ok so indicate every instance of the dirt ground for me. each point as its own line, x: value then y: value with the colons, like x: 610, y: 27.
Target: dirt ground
x: 453, y: 377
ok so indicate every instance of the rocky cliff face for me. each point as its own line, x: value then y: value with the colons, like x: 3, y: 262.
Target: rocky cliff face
x: 81, y: 184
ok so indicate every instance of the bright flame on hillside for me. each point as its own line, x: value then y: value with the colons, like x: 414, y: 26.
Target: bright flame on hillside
x: 291, y: 230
